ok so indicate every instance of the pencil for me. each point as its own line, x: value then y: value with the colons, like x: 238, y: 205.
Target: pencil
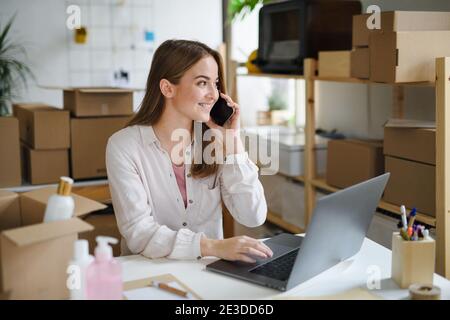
x: 165, y: 286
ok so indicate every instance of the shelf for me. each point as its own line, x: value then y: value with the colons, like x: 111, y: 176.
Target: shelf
x: 333, y: 79
x: 421, y: 217
x: 296, y: 178
x: 367, y: 81
x: 346, y: 80
x: 271, y: 75
x: 321, y: 184
x: 278, y: 220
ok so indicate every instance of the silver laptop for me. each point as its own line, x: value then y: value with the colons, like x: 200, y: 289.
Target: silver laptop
x: 337, y: 230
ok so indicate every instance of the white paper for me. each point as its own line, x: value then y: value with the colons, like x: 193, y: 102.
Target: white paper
x: 155, y: 293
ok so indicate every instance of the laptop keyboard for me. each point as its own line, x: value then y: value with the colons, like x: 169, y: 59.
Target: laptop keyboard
x: 279, y: 269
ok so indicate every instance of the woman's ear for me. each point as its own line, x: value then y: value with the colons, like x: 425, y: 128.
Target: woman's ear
x: 167, y: 88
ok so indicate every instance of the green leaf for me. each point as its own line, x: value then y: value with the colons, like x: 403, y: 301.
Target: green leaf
x: 241, y: 8
x: 13, y: 71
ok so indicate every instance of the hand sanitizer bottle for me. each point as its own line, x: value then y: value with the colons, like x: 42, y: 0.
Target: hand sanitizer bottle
x: 76, y: 281
x: 60, y: 206
x: 104, y: 275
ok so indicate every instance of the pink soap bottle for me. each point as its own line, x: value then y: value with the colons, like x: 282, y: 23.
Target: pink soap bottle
x: 104, y: 274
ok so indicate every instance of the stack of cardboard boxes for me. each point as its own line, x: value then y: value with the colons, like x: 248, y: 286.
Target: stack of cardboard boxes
x: 96, y: 114
x: 410, y: 157
x: 33, y: 255
x: 45, y: 138
x: 404, y: 49
x: 10, y: 168
x: 360, y: 62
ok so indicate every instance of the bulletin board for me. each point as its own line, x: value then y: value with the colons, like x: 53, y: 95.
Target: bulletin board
x: 119, y: 41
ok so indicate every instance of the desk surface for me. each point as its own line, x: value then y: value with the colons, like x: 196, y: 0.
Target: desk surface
x: 372, y: 260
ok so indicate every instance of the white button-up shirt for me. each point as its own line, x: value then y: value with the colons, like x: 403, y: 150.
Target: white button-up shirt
x: 148, y: 205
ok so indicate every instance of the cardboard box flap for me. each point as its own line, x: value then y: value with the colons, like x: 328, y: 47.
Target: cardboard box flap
x: 39, y: 107
x: 45, y: 231
x: 6, y: 194
x: 408, y: 123
x: 83, y: 205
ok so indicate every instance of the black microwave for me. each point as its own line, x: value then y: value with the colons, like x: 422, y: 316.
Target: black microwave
x: 290, y: 31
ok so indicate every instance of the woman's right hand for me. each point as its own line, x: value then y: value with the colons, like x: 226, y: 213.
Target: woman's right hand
x: 241, y: 248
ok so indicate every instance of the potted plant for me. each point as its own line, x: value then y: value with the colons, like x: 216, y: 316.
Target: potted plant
x: 13, y: 71
x: 241, y: 8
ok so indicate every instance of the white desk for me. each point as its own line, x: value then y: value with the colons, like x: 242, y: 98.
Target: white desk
x: 352, y: 273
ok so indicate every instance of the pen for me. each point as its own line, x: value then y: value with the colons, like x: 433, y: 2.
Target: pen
x: 403, y: 211
x: 410, y: 232
x: 404, y: 234
x: 412, y: 217
x: 415, y: 236
x: 165, y: 286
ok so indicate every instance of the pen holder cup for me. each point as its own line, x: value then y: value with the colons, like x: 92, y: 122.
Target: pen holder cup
x: 412, y: 261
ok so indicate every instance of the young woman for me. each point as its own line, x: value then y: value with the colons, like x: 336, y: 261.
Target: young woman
x: 167, y: 205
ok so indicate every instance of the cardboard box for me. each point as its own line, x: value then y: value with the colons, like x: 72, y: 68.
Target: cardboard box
x: 10, y: 168
x: 35, y: 258
x: 9, y: 210
x: 412, y: 184
x: 104, y: 224
x: 353, y: 161
x: 44, y: 166
x: 360, y: 32
x: 396, y: 57
x: 42, y: 126
x: 334, y: 64
x: 360, y: 63
x: 89, y: 139
x: 412, y: 261
x: 33, y: 205
x: 417, y: 144
x: 392, y: 21
x: 91, y: 102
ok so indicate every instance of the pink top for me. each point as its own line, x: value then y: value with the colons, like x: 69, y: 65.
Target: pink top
x: 181, y: 181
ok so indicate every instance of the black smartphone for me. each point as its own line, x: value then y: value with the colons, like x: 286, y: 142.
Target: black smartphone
x: 221, y: 112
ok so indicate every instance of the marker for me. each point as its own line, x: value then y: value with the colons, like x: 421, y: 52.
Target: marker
x: 403, y: 211
x: 415, y: 236
x: 426, y: 234
x: 412, y: 217
x: 404, y: 235
x: 410, y: 232
x: 420, y: 229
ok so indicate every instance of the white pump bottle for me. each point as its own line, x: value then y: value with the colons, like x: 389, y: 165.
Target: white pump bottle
x: 60, y: 206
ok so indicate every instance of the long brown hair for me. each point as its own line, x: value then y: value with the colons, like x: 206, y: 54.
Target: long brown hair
x: 170, y: 61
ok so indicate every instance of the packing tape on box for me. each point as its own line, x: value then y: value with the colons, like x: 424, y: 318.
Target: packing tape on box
x: 419, y: 291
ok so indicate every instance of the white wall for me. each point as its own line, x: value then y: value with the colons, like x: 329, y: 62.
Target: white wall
x: 353, y: 109
x: 41, y: 25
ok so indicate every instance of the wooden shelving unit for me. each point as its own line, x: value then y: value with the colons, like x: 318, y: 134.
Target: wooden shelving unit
x: 276, y: 219
x: 441, y: 221
x: 320, y: 183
